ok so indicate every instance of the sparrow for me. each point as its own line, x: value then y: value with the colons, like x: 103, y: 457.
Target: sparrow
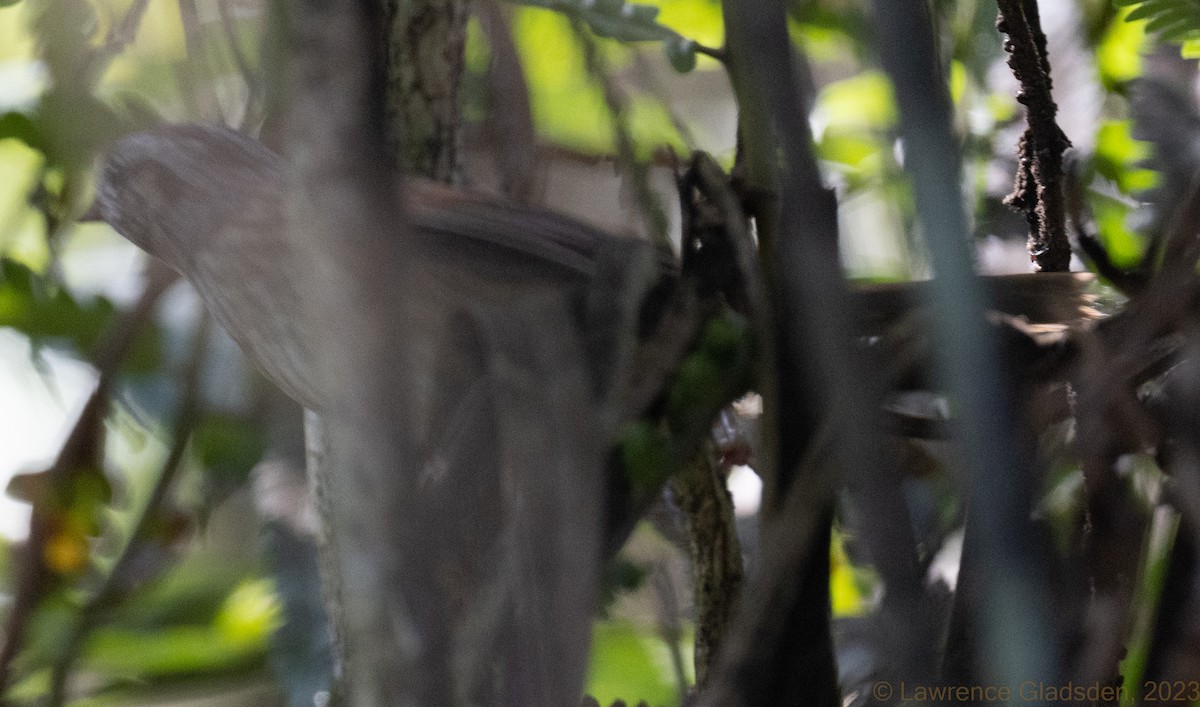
x: 209, y: 203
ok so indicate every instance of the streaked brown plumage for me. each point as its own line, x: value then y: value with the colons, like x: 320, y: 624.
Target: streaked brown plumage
x: 208, y: 202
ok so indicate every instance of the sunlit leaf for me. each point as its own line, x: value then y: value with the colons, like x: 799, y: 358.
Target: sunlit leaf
x: 850, y: 587
x: 568, y: 107
x: 193, y: 592
x: 630, y: 664
x: 160, y: 35
x: 1124, y: 246
x: 852, y: 149
x: 187, y: 650
x: 700, y: 20
x: 1001, y: 107
x: 251, y: 612
x: 650, y: 126
x: 1118, y: 155
x: 1119, y: 53
x: 958, y: 81
x: 864, y: 100
x: 1173, y: 20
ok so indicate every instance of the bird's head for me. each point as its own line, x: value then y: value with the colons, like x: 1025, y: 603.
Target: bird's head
x: 152, y: 187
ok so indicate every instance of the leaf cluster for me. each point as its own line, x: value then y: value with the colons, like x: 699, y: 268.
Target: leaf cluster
x: 1175, y: 21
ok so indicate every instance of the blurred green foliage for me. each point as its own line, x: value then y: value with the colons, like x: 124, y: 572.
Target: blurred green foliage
x: 1174, y: 20
x: 632, y: 664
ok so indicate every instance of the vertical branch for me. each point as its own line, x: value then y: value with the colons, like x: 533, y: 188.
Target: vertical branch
x: 757, y: 662
x: 342, y: 212
x: 1039, y: 185
x: 424, y: 41
x: 196, y: 74
x: 820, y: 380
x: 510, y: 116
x: 999, y: 537
x: 715, y: 552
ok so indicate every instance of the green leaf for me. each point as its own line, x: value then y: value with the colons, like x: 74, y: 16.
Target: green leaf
x: 1119, y: 53
x: 568, y: 108
x: 850, y: 588
x: 700, y: 20
x: 681, y: 53
x: 26, y: 305
x: 19, y: 126
x: 250, y: 614
x: 958, y: 81
x: 698, y: 379
x: 608, y: 7
x: 1174, y: 20
x: 645, y: 454
x: 621, y: 576
x: 1124, y: 246
x: 865, y: 100
x: 227, y: 446
x: 620, y: 28
x: 1117, y: 157
x: 645, y: 14
x: 611, y: 18
x: 630, y: 664
x: 48, y: 315
x: 723, y: 339
x: 178, y: 650
x: 853, y: 149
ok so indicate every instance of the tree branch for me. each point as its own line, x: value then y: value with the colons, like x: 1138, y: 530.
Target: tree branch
x: 1039, y: 188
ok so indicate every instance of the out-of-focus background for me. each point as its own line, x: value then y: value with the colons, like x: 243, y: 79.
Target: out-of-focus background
x: 215, y: 605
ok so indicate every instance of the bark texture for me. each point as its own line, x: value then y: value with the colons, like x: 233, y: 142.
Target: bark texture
x: 424, y: 41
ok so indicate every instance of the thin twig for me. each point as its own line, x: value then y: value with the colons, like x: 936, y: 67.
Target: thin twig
x: 83, y: 447
x: 716, y: 53
x: 639, y: 174
x: 111, y: 589
x: 120, y: 35
x: 649, y: 78
x: 193, y: 87
x: 713, y: 188
x: 510, y: 117
x: 250, y: 77
x: 669, y: 626
x: 1129, y: 282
